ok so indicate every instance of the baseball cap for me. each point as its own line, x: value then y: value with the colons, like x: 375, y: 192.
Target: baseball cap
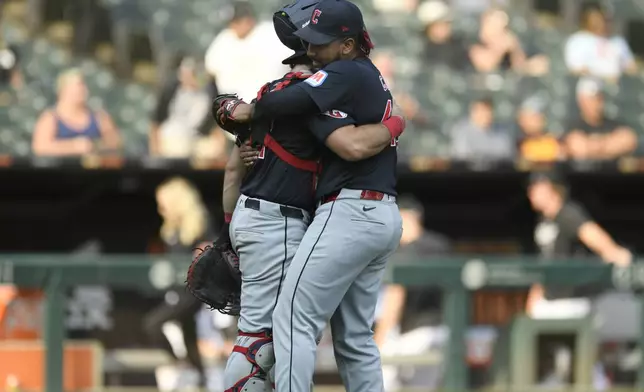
x: 434, y: 11
x: 299, y: 57
x: 330, y: 20
x: 551, y: 176
x: 589, y: 86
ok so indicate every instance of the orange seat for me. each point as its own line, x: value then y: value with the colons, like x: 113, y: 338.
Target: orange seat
x: 23, y: 363
x: 20, y: 313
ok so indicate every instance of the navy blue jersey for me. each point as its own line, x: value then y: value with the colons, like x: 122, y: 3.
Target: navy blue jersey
x: 351, y: 92
x: 272, y: 178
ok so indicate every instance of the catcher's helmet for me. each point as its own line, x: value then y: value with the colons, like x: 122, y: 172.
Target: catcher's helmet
x: 288, y: 20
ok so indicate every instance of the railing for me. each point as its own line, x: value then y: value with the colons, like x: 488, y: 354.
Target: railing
x: 456, y: 276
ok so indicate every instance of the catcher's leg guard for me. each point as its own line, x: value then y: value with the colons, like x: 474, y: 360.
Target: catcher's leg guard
x: 249, y: 364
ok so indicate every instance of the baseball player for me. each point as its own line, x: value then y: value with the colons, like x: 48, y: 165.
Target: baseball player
x: 337, y: 270
x: 271, y: 215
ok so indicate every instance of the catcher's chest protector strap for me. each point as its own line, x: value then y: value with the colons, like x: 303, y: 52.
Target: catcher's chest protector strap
x: 272, y: 144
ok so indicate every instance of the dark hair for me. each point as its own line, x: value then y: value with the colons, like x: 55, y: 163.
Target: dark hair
x: 555, y: 179
x: 487, y: 101
x: 363, y: 43
x: 586, y: 9
x: 242, y: 9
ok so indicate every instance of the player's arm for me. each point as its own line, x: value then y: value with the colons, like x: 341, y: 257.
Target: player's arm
x: 593, y: 236
x: 353, y: 143
x: 338, y: 132
x: 323, y: 91
x: 233, y: 175
x: 599, y: 241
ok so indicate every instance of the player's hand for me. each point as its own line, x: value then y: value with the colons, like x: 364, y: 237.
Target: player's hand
x: 248, y: 154
x: 621, y: 257
x: 241, y: 113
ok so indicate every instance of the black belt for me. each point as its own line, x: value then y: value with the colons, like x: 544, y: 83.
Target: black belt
x: 286, y: 211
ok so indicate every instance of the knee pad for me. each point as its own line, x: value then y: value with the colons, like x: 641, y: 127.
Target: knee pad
x: 250, y: 363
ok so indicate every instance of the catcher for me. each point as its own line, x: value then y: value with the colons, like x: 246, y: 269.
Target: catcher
x: 268, y: 209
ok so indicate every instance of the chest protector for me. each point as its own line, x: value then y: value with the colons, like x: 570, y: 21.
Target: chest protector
x: 261, y: 132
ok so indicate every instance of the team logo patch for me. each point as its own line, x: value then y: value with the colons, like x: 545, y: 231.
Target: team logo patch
x: 317, y: 79
x: 335, y: 114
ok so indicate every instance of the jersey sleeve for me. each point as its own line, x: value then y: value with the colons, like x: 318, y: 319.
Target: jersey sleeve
x: 323, y: 125
x: 572, y: 216
x: 333, y: 85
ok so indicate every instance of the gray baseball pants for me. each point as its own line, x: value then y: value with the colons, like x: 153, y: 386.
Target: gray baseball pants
x: 266, y: 236
x: 336, y: 275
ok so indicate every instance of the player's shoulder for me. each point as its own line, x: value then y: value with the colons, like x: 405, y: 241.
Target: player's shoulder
x: 342, y: 71
x: 281, y: 81
x: 342, y: 66
x: 572, y: 209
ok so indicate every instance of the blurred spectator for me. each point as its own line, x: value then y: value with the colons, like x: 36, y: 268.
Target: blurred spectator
x: 474, y: 7
x: 499, y: 49
x: 594, y: 51
x: 217, y: 333
x: 408, y: 320
x: 71, y: 127
x: 10, y: 74
x: 234, y: 55
x: 403, y: 6
x: 182, y: 115
x: 411, y: 109
x: 592, y: 135
x: 565, y: 229
x: 186, y: 226
x: 535, y: 142
x: 442, y: 47
x: 478, y: 137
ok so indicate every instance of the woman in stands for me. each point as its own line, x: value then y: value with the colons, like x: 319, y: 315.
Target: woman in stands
x: 595, y: 50
x: 71, y: 128
x: 185, y: 227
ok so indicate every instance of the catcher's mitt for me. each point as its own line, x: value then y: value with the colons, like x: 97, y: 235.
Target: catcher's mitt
x: 223, y: 108
x: 214, y: 278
